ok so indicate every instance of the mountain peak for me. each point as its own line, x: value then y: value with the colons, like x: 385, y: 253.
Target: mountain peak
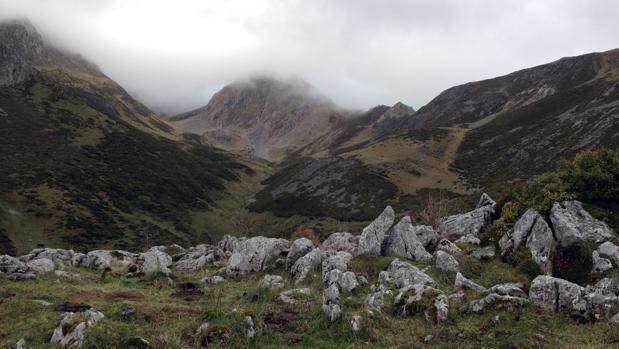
x: 22, y: 47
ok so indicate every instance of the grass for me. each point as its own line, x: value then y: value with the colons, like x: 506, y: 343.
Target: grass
x: 140, y: 311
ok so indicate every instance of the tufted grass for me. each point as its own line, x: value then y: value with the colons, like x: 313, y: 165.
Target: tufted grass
x: 142, y: 313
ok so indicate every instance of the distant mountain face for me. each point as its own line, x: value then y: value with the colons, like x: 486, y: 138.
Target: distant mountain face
x: 263, y: 116
x: 84, y: 164
x: 527, y: 120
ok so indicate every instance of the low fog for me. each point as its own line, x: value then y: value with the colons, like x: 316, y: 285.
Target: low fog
x: 173, y: 55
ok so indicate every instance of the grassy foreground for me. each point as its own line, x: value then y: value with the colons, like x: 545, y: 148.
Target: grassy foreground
x: 144, y: 313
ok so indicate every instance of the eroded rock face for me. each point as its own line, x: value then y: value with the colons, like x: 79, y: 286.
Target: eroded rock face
x: 298, y: 248
x: 572, y: 223
x: 560, y: 295
x: 10, y: 265
x: 373, y: 236
x: 342, y: 241
x: 403, y: 241
x: 335, y: 261
x: 532, y: 231
x: 229, y: 243
x: 155, y: 260
x: 41, y: 265
x: 456, y: 226
x: 403, y: 274
x: 254, y: 254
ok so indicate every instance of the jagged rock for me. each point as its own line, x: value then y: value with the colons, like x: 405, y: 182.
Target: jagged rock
x: 339, y: 260
x: 298, y: 248
x: 343, y: 241
x: 600, y: 264
x: 250, y: 331
x: 455, y: 226
x: 484, y: 253
x: 559, y: 295
x: 479, y: 305
x: 332, y: 311
x: 311, y: 261
x: 254, y: 254
x: 288, y: 297
x: 197, y: 257
x: 75, y: 337
x: 464, y: 283
x: 404, y: 274
x: 441, y: 304
x: 384, y: 277
x: 230, y: 243
x: 22, y: 276
x: 507, y: 289
x: 468, y: 239
x: 331, y: 294
x: 272, y: 282
x: 610, y: 250
x: 533, y: 231
x: 10, y: 265
x: 41, y: 265
x: 572, y: 223
x: 373, y: 236
x: 447, y: 262
x: 98, y: 259
x: 356, y: 323
x: 57, y: 255
x: 413, y: 293
x: 403, y: 241
x: 449, y: 247
x: 427, y: 236
x: 375, y: 300
x: 213, y: 279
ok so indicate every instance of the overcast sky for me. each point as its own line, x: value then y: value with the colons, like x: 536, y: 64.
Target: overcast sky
x: 174, y: 55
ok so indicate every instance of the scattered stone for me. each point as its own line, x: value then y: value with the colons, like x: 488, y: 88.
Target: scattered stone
x: 413, y: 294
x: 493, y: 298
x: 271, y: 282
x: 453, y: 227
x: 464, y: 283
x: 298, y: 248
x: 331, y: 294
x: 98, y: 259
x: 449, y: 247
x: 347, y: 282
x: 446, y: 262
x: 197, y: 257
x: 441, y: 304
x: 484, y: 253
x: 333, y: 311
x: 600, y: 264
x: 216, y: 279
x: 253, y: 254
x: 288, y: 297
x: 507, y: 289
x: 250, y: 331
x: 305, y: 264
x: 342, y: 241
x: 404, y: 274
x: 21, y: 344
x: 356, y: 323
x: 373, y: 236
x: 572, y: 223
x: 532, y: 231
x: 403, y: 241
x: 468, y: 239
x: 73, y: 336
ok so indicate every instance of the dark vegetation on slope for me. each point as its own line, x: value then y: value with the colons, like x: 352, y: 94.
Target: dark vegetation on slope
x: 76, y: 158
x: 330, y: 187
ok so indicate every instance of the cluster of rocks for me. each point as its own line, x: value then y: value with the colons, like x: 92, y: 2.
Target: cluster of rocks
x: 407, y: 287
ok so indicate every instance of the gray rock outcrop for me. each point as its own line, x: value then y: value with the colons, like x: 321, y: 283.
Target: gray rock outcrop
x: 403, y: 241
x: 373, y: 236
x: 456, y: 226
x: 446, y: 262
x: 255, y: 253
x: 572, y: 223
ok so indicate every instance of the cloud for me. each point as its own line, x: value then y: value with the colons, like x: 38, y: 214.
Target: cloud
x: 173, y: 55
